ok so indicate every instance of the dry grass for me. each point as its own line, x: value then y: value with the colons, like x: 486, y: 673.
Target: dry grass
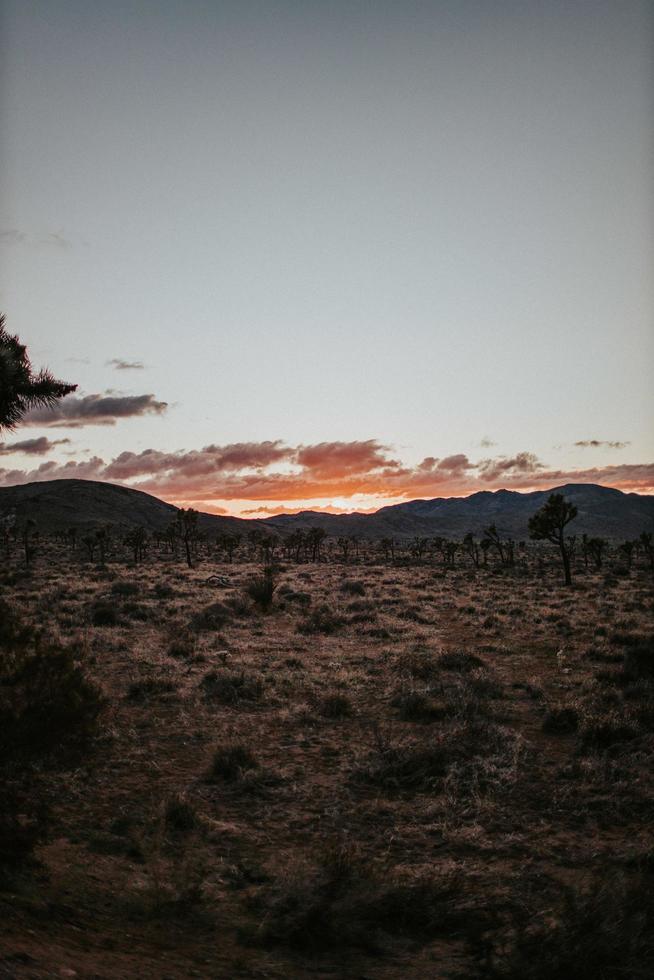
x: 382, y: 771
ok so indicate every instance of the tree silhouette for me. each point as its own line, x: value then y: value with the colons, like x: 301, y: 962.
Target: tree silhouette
x: 20, y: 389
x: 548, y: 524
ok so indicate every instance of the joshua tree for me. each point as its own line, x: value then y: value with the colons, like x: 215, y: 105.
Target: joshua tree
x: 315, y: 538
x: 505, y: 549
x: 548, y: 524
x: 628, y: 548
x: 28, y: 533
x: 471, y: 548
x: 136, y: 540
x: 20, y: 389
x: 188, y: 527
x: 595, y: 548
x: 645, y: 541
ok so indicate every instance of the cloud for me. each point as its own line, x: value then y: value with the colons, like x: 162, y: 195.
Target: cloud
x: 31, y: 447
x: 120, y: 365
x: 270, y: 476
x: 12, y: 236
x: 75, y: 411
x: 48, y: 239
x: 486, y: 443
x: 596, y: 443
x: 492, y: 469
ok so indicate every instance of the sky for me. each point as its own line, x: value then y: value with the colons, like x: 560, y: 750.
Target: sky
x: 331, y: 255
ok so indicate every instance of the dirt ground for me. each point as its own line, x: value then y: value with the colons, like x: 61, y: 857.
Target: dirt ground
x: 395, y: 772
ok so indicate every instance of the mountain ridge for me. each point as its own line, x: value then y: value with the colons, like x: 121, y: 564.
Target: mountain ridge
x: 605, y: 511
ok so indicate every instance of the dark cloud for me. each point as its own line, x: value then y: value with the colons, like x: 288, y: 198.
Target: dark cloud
x: 75, y: 411
x: 486, y: 443
x: 597, y: 443
x: 120, y: 365
x: 31, y: 447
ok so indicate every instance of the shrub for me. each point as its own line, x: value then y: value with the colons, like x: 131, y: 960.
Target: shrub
x: 639, y: 661
x: 323, y: 620
x: 104, y: 613
x: 261, y: 589
x: 339, y: 903
x: 125, y: 588
x: 603, y: 933
x: 231, y: 762
x: 336, y: 706
x: 459, y: 661
x: 353, y: 588
x: 561, y: 720
x: 212, y: 617
x: 46, y: 701
x: 232, y: 687
x: 179, y: 814
x: 418, y: 706
x: 149, y: 687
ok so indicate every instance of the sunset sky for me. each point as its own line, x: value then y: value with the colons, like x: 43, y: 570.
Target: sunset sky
x: 331, y: 254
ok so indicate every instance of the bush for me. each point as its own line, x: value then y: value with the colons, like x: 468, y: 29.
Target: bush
x: 460, y: 661
x: 126, y: 589
x: 104, y: 613
x: 47, y: 705
x: 261, y: 589
x: 212, y: 617
x: 336, y: 706
x: 321, y: 620
x: 231, y: 762
x: 561, y: 721
x: 639, y: 661
x: 353, y: 588
x: 46, y: 701
x: 603, y: 934
x: 339, y: 903
x: 232, y: 687
x: 179, y: 814
x: 148, y: 688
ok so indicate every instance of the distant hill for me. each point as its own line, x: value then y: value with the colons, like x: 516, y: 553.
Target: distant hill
x: 602, y: 511
x: 59, y: 504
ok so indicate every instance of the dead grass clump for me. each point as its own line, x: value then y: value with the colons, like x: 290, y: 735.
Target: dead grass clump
x: 419, y: 663
x: 350, y: 587
x: 149, y: 687
x: 459, y: 660
x: 183, y: 646
x: 180, y: 815
x: 561, y: 720
x: 418, y: 706
x: 336, y: 706
x: 411, y: 766
x: 125, y: 588
x: 606, y: 932
x: 232, y: 687
x: 104, y: 612
x: 323, y: 620
x: 231, y: 762
x: 339, y: 903
x: 212, y: 617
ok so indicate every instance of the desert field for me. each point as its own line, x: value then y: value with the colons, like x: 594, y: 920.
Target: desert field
x: 396, y: 770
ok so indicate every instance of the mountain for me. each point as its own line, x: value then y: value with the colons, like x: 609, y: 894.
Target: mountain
x: 601, y: 511
x: 59, y: 504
